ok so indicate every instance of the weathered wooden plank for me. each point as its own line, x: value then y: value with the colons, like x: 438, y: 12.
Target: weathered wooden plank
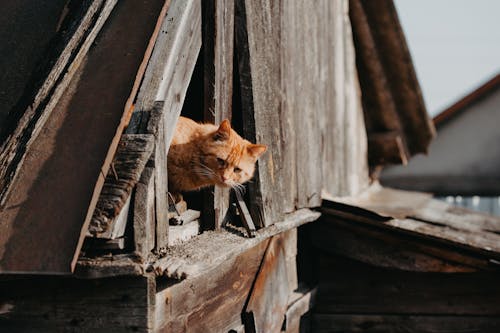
x: 76, y: 305
x: 345, y: 170
x: 302, y: 25
x: 161, y: 187
x: 456, y: 217
x: 350, y: 323
x: 109, y: 266
x: 128, y: 163
x: 144, y: 214
x: 181, y: 233
x: 218, y: 41
x: 268, y: 300
x: 203, y: 252
x: 301, y: 302
x: 290, y: 244
x: 163, y: 90
x: 487, y: 243
x: 348, y: 286
x: 88, y: 118
x: 418, y: 214
x: 289, y: 68
x: 212, y: 301
x: 257, y: 27
x: 384, y: 248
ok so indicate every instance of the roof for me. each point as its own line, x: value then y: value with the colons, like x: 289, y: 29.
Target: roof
x: 411, y: 231
x: 462, y: 104
x: 397, y: 123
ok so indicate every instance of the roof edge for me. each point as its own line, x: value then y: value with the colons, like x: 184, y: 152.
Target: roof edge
x: 469, y: 99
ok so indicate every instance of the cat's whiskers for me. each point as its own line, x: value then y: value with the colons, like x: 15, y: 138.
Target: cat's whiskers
x: 240, y: 188
x: 203, y: 170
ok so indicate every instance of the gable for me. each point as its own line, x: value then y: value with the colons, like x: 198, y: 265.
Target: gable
x: 463, y: 159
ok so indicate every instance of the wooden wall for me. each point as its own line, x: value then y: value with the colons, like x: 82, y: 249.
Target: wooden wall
x: 52, y: 304
x: 300, y: 96
x: 356, y: 297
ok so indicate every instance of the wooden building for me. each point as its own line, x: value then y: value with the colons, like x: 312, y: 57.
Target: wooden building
x: 463, y: 165
x: 88, y: 112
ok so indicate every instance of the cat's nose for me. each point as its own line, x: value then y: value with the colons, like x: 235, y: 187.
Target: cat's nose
x: 223, y: 178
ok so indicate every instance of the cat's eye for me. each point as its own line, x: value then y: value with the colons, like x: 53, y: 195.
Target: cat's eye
x: 237, y: 170
x: 221, y: 162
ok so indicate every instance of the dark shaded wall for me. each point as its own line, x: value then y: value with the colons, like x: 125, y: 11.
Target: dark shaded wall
x: 26, y: 30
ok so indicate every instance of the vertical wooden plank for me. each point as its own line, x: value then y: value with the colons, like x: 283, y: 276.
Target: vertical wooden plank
x: 290, y: 247
x: 345, y: 170
x: 218, y: 28
x: 144, y: 213
x: 258, y: 27
x: 302, y: 23
x: 162, y: 93
x: 267, y: 304
x: 356, y: 178
x: 289, y: 100
x: 161, y: 187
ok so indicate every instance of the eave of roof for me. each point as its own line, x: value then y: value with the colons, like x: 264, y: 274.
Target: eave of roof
x: 469, y: 99
x: 397, y: 123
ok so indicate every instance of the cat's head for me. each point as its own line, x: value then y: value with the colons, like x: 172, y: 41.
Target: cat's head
x: 228, y: 159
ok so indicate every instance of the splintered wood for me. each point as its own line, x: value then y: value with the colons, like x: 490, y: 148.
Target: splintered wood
x: 128, y: 163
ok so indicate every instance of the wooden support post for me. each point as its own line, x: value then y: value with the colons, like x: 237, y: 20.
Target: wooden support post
x: 144, y: 214
x: 161, y: 96
x: 218, y: 37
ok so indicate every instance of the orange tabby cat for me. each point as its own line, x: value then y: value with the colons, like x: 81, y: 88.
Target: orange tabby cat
x: 203, y: 154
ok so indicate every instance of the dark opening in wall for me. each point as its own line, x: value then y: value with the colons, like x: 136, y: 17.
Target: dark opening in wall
x: 193, y: 109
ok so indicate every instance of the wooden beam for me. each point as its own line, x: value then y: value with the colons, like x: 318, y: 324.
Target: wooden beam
x: 162, y: 94
x: 144, y: 214
x: 218, y: 29
x: 202, y: 253
x: 257, y: 28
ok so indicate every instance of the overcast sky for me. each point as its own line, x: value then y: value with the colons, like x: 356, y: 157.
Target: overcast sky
x: 455, y: 45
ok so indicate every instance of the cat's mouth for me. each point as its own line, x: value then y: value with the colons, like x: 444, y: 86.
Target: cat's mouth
x: 224, y: 183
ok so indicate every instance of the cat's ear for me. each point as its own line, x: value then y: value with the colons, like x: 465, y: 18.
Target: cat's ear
x: 223, y: 131
x: 256, y: 150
